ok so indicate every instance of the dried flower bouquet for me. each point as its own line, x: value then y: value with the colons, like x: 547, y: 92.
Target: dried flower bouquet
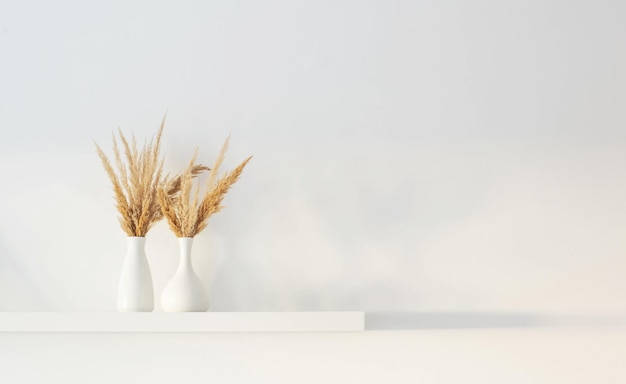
x: 186, y: 212
x: 136, y: 182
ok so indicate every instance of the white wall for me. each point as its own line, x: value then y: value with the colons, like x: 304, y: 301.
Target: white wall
x: 408, y: 155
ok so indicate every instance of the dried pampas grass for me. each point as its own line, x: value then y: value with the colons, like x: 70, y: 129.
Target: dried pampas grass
x: 186, y: 213
x: 136, y: 182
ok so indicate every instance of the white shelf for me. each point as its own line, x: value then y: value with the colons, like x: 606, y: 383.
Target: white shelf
x: 182, y: 322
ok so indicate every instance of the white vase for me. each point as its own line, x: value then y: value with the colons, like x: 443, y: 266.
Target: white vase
x: 185, y: 292
x: 135, y: 293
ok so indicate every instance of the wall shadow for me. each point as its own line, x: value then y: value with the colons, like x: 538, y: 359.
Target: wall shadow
x: 20, y: 290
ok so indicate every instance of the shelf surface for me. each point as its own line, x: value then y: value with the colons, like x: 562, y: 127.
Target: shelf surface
x: 182, y: 322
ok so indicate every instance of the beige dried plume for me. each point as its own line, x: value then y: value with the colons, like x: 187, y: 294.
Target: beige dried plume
x: 136, y: 182
x: 186, y: 213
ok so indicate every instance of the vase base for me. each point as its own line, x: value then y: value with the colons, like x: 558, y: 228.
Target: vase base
x: 135, y: 309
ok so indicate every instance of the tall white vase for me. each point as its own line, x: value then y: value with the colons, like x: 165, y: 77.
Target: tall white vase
x: 185, y: 292
x: 135, y: 292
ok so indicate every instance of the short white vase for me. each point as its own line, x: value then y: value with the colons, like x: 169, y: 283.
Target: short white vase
x: 135, y: 292
x: 185, y: 292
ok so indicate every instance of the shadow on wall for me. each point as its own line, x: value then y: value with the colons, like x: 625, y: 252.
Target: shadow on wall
x: 18, y: 290
x: 388, y: 321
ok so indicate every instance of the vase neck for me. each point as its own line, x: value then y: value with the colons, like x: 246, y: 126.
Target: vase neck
x: 185, y: 244
x: 136, y: 245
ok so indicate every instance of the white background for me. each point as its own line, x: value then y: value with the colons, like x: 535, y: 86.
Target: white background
x: 409, y: 157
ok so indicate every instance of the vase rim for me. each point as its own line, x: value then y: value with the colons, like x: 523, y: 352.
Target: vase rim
x: 136, y: 237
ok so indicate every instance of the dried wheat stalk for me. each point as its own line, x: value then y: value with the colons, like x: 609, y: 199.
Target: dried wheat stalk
x: 186, y: 213
x: 136, y: 182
